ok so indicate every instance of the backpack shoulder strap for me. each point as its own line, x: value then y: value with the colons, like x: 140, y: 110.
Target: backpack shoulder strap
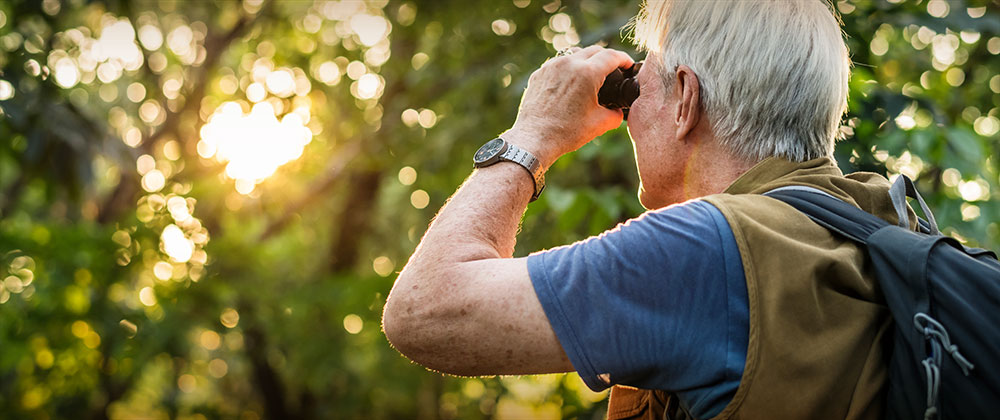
x: 830, y: 212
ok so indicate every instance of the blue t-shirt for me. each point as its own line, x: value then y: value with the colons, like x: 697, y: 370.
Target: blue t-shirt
x: 659, y: 302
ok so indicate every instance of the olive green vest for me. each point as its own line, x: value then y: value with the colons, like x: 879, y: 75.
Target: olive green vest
x: 817, y: 316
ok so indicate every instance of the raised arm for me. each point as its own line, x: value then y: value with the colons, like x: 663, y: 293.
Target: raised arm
x: 462, y: 305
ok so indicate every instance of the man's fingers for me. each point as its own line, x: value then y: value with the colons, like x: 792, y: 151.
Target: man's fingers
x: 568, y: 51
x: 607, y: 60
x: 589, y: 51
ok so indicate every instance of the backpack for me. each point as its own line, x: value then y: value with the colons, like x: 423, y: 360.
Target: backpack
x: 944, y: 298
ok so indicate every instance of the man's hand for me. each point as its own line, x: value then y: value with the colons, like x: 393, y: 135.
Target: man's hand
x: 559, y: 111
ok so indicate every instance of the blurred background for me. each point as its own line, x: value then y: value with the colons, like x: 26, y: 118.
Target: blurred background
x: 204, y: 204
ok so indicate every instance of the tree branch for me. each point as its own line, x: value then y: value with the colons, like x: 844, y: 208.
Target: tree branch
x: 215, y: 46
x: 319, y: 188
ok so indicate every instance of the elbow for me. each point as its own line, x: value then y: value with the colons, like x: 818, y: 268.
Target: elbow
x: 395, y: 324
x: 404, y: 323
x: 419, y: 331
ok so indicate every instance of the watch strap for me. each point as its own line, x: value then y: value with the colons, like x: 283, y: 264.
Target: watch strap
x: 528, y: 161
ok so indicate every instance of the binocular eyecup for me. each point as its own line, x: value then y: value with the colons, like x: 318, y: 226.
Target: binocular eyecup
x: 620, y: 89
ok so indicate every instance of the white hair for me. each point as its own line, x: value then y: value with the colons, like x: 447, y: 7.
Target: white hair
x: 773, y: 73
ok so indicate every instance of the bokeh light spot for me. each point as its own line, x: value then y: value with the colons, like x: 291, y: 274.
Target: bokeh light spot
x: 383, y: 266
x: 955, y: 76
x: 329, y: 73
x: 969, y: 212
x: 209, y: 339
x: 410, y: 117
x: 147, y: 296
x: 427, y: 118
x: 150, y: 37
x: 187, y: 383
x: 420, y: 199
x: 407, y: 175
x: 369, y: 86
x: 6, y: 90
x: 163, y: 270
x: 229, y: 318
x: 256, y: 92
x: 560, y: 22
x: 951, y: 177
x: 176, y: 244
x: 136, y: 92
x: 938, y: 8
x: 280, y: 82
x: 218, y: 368
x: 370, y: 29
x: 503, y: 27
x: 987, y: 125
x: 153, y: 181
x: 144, y: 164
x: 66, y: 73
x: 974, y: 190
x: 353, y: 323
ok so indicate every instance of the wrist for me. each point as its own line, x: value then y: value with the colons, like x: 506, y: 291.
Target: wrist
x: 534, y: 141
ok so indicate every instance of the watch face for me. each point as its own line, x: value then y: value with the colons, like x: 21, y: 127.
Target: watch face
x: 489, y: 150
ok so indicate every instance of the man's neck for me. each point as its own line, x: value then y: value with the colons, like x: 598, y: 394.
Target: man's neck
x: 711, y: 169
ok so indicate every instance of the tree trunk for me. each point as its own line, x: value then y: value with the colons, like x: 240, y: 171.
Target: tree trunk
x: 355, y: 218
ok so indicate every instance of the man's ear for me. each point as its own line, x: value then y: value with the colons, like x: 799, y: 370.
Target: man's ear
x: 687, y: 90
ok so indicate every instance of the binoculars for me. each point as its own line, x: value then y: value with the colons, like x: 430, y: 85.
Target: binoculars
x: 620, y: 89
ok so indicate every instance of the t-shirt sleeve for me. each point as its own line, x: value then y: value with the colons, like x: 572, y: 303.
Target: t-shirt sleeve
x: 658, y: 302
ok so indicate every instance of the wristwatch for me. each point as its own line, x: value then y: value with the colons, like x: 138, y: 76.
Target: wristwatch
x: 498, y: 150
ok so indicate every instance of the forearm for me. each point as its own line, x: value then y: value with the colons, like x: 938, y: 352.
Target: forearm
x: 435, y: 311
x: 480, y: 220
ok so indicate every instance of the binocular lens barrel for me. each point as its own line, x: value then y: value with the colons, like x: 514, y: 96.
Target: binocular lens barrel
x: 620, y: 89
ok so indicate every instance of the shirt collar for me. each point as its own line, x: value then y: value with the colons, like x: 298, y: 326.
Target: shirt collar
x: 771, y: 169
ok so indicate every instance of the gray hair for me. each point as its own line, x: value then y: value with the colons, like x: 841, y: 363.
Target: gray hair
x: 773, y: 73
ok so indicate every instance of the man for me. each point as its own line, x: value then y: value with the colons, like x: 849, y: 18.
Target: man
x: 718, y: 302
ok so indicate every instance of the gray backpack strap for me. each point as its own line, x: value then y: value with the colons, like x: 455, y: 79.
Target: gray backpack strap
x: 902, y: 188
x: 830, y: 212
x: 801, y: 188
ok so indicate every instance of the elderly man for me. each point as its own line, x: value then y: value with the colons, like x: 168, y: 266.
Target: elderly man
x: 718, y: 301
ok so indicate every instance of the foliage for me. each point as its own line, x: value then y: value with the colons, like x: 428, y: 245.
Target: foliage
x: 165, y: 251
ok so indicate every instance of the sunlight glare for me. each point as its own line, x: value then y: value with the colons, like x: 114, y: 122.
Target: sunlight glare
x: 369, y: 86
x: 281, y: 82
x: 370, y: 29
x: 178, y: 208
x: 117, y: 43
x: 175, y: 244
x: 6, y: 90
x: 974, y: 190
x: 253, y: 145
x: 67, y: 74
